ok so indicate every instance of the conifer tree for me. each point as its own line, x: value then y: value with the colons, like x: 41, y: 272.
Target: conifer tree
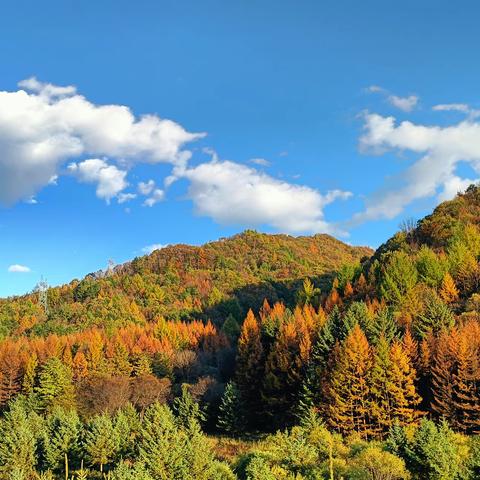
x: 231, y: 415
x: 61, y: 438
x: 186, y: 408
x: 101, y: 442
x: 448, y: 291
x: 437, y: 316
x: 250, y: 367
x: 55, y: 387
x: 348, y: 390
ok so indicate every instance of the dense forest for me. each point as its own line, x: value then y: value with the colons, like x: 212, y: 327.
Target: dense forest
x: 258, y: 357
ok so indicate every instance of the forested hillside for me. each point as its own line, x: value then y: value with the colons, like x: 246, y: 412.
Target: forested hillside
x: 258, y: 357
x: 182, y: 282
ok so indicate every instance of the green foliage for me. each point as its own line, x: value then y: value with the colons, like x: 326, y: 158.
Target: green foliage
x: 436, y: 317
x: 55, y: 387
x: 399, y: 277
x: 231, y: 418
x: 101, y: 442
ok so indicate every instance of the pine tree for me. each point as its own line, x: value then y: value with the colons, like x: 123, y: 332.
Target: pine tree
x: 61, y: 437
x: 101, y: 442
x: 348, y: 390
x: 162, y: 444
x: 18, y: 441
x: 231, y: 415
x: 250, y: 367
x: 436, y: 317
x: 186, y: 408
x: 383, y: 325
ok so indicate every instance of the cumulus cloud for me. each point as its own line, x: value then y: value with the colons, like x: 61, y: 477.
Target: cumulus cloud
x: 440, y: 150
x: 232, y: 193
x: 16, y: 268
x: 151, y: 248
x: 109, y: 179
x: 42, y: 126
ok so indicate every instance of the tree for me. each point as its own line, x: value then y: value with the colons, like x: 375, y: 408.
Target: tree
x: 61, y: 439
x: 399, y: 277
x: 231, y: 414
x: 186, y: 408
x: 162, y: 444
x: 435, y: 317
x: 379, y: 465
x: 147, y: 389
x: 448, y: 291
x: 435, y: 454
x: 18, y: 441
x: 55, y: 387
x: 101, y: 442
x: 250, y: 367
x: 348, y: 390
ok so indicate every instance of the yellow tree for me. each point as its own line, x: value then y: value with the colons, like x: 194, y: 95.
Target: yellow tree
x: 348, y: 390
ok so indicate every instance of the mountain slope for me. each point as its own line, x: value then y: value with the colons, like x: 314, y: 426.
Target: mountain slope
x: 184, y: 282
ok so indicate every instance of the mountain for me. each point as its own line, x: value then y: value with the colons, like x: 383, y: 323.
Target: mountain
x: 182, y: 282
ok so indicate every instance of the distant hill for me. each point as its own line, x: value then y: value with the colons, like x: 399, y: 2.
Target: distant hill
x: 182, y: 282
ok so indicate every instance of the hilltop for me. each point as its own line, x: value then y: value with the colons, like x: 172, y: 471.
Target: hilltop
x: 182, y: 282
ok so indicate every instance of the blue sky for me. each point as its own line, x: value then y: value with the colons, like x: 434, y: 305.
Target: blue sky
x: 336, y: 116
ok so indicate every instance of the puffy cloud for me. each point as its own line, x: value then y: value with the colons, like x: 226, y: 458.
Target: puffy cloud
x: 109, y: 179
x: 441, y: 149
x: 44, y: 125
x: 151, y: 248
x: 407, y: 104
x: 232, y: 193
x: 16, y: 268
x: 156, y: 196
x: 145, y: 188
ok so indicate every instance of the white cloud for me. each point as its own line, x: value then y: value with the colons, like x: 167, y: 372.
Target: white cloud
x: 16, y: 268
x: 151, y: 248
x: 110, y: 180
x: 407, y: 104
x: 446, y: 107
x: 260, y: 161
x: 156, y: 196
x: 126, y: 197
x: 232, y: 193
x: 375, y: 89
x: 145, y: 188
x: 440, y: 150
x: 44, y: 125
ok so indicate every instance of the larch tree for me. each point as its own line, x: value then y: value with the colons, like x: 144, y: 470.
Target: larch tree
x: 349, y: 391
x: 250, y: 366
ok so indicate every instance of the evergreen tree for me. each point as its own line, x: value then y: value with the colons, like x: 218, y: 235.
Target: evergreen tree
x: 186, y: 408
x: 55, y: 387
x: 399, y: 277
x: 18, y: 441
x: 436, y: 317
x: 101, y: 442
x: 231, y: 414
x: 61, y: 439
